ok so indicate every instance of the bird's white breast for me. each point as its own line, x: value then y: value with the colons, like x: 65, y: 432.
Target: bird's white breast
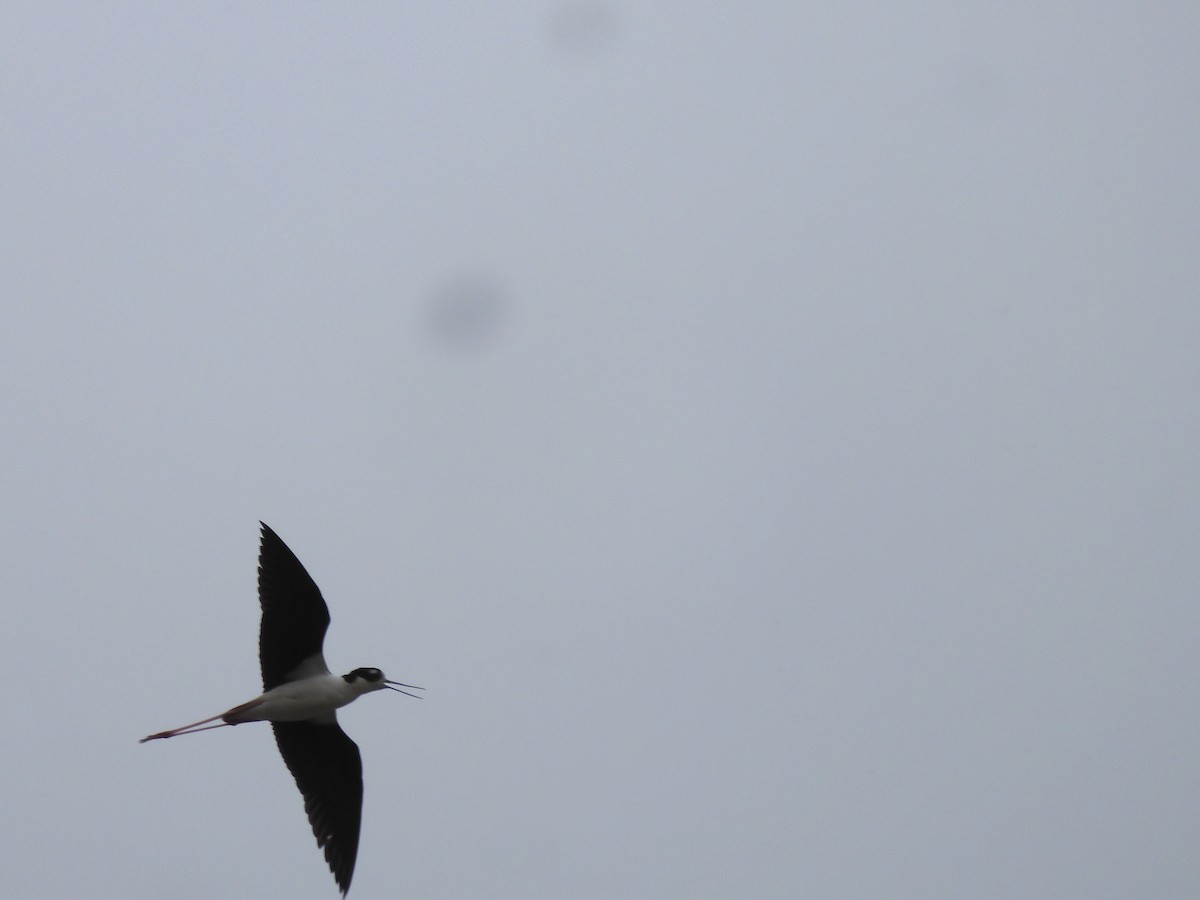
x: 296, y: 701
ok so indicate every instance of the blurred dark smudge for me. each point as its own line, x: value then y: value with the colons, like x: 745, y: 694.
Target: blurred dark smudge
x: 466, y: 313
x: 975, y: 90
x: 584, y: 29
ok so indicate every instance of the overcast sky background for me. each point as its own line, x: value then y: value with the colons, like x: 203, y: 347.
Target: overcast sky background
x: 768, y: 431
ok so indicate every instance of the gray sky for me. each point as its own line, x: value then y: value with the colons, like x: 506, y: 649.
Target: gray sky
x: 768, y: 430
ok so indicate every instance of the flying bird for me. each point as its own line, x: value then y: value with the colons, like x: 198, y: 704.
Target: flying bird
x: 300, y: 699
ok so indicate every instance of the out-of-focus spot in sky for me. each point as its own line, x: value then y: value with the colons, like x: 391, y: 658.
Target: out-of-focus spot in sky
x: 584, y: 30
x: 974, y: 91
x: 466, y: 312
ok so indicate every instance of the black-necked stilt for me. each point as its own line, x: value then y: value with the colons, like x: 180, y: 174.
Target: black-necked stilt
x: 300, y: 698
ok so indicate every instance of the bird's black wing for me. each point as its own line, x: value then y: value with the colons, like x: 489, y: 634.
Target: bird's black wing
x: 328, y: 770
x: 294, y: 614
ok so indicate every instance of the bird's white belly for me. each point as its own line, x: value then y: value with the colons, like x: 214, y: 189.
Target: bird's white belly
x: 296, y: 701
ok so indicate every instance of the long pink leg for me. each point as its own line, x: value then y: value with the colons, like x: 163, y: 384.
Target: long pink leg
x: 186, y: 729
x: 239, y: 710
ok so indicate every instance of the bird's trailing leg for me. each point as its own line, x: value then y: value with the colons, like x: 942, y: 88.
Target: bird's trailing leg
x: 239, y: 714
x: 187, y: 729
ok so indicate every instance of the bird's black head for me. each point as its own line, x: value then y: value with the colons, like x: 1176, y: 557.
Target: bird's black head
x: 367, y: 680
x: 371, y: 676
